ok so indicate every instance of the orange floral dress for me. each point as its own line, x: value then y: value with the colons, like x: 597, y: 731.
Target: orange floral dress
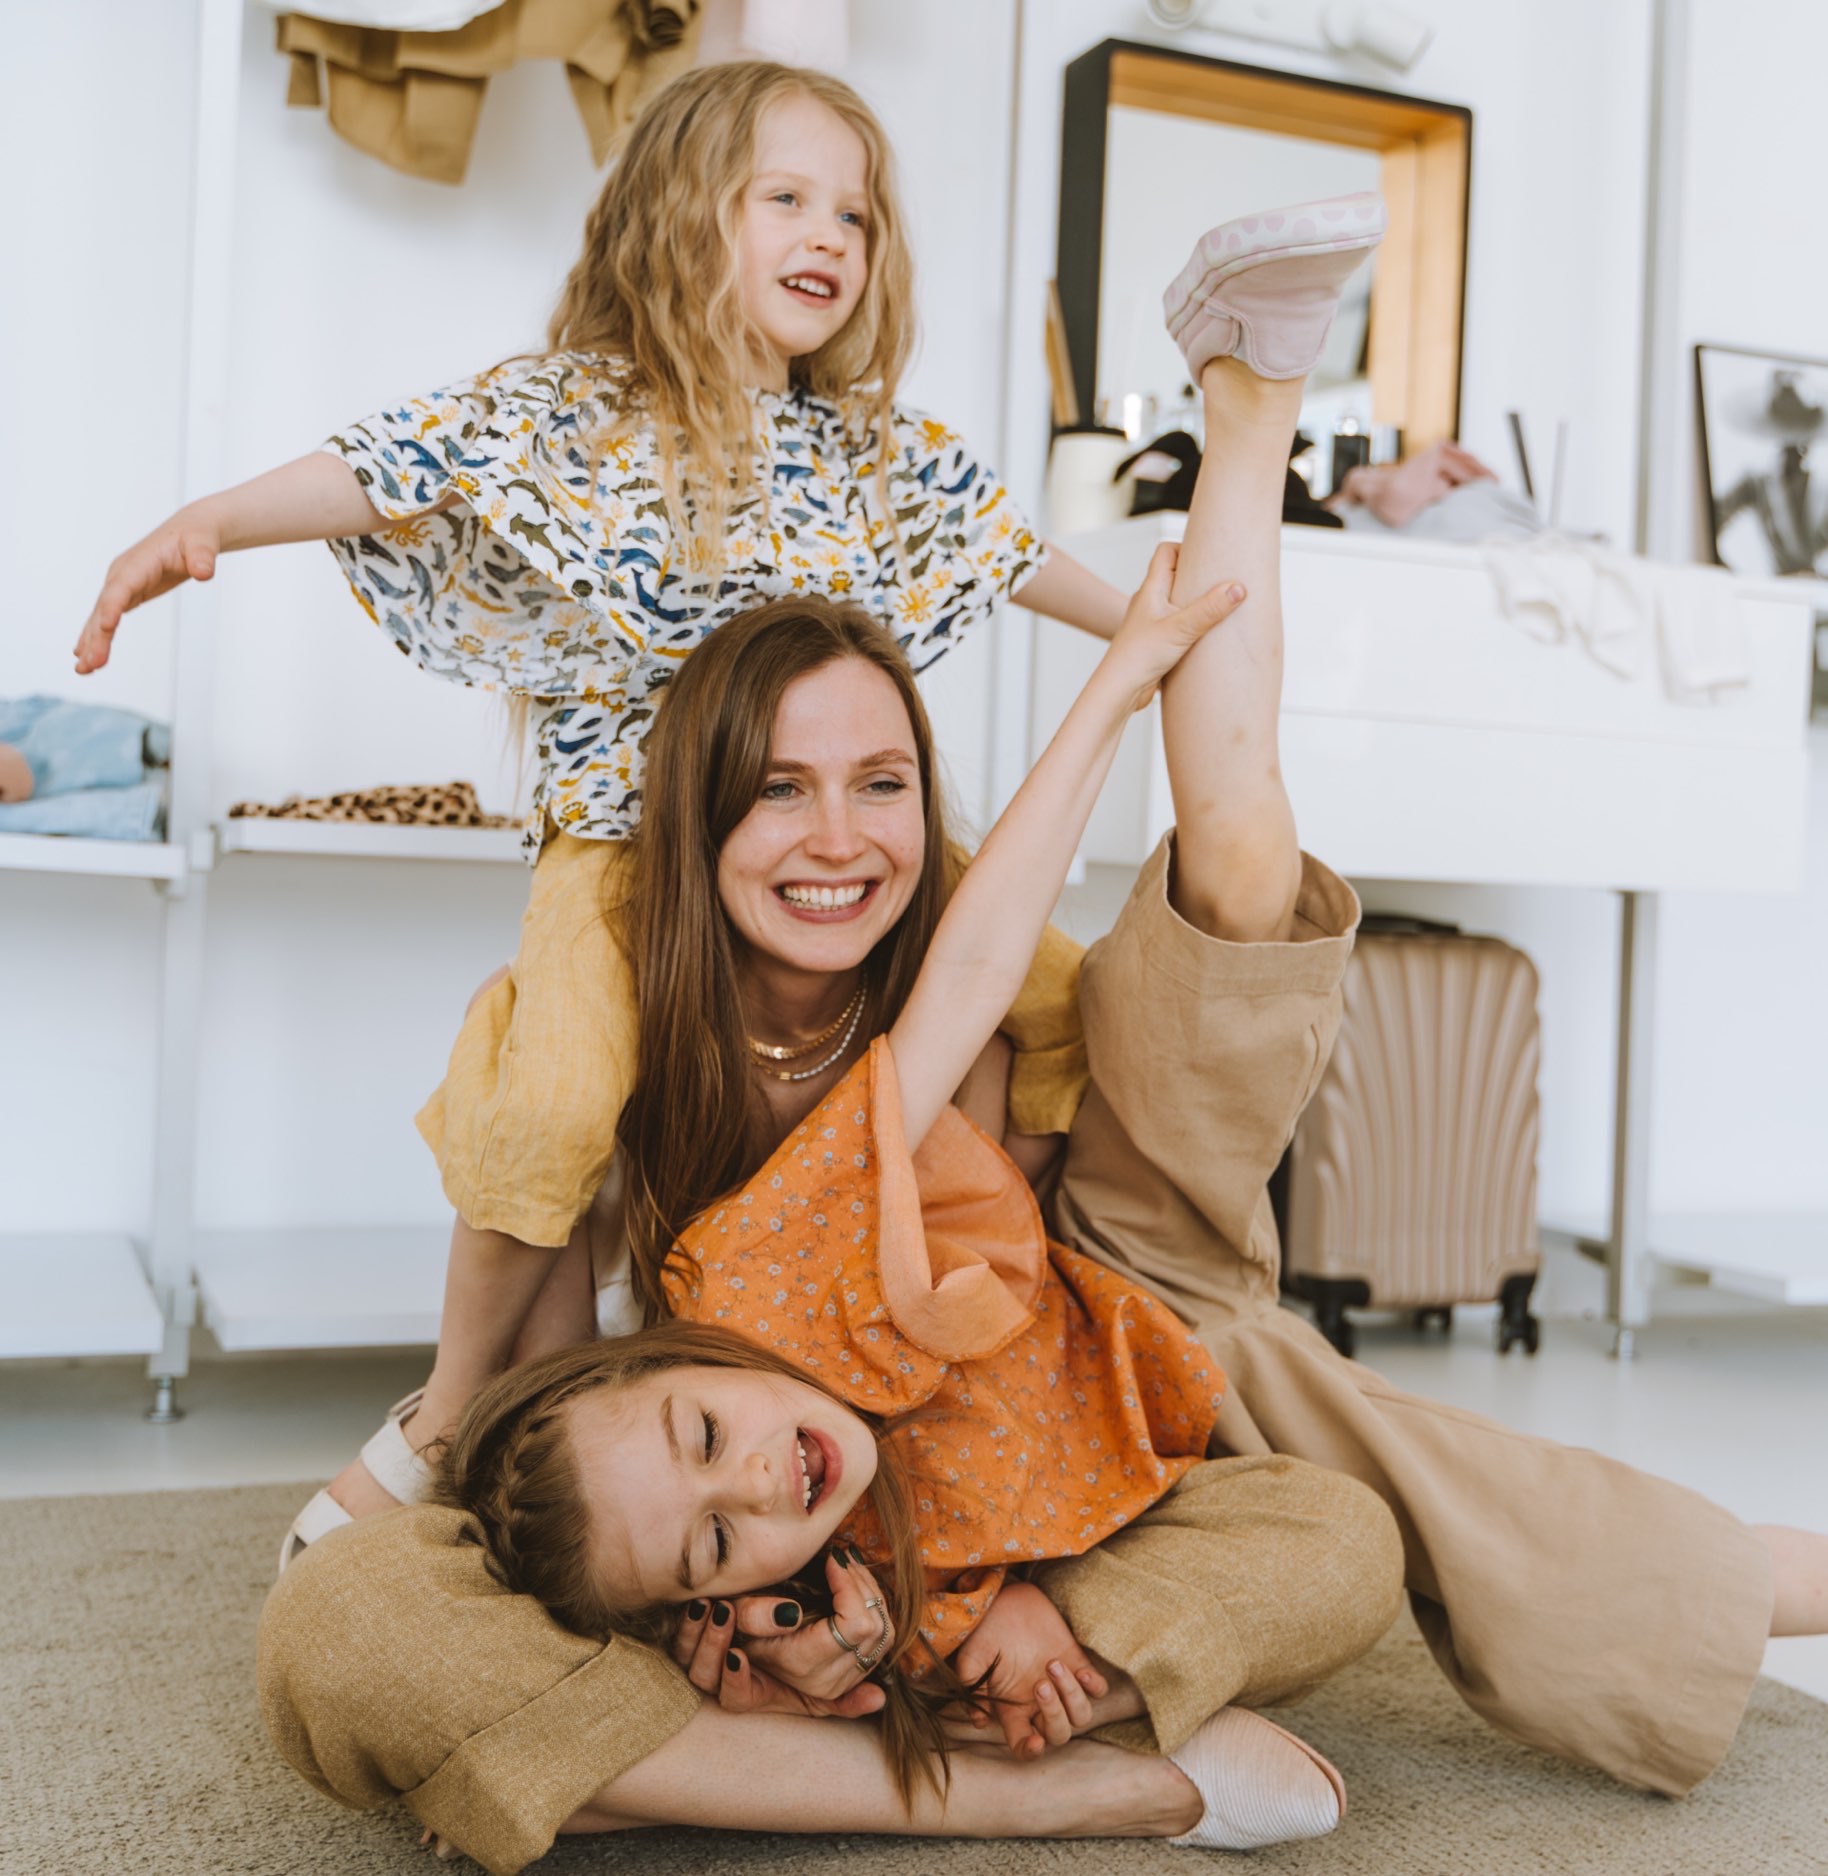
x: 1036, y: 1401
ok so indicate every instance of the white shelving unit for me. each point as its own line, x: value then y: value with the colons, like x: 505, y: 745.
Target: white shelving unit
x: 71, y: 1293
x: 341, y: 1288
x: 112, y: 859
x: 352, y: 840
x: 118, y: 1294
x: 96, y: 1293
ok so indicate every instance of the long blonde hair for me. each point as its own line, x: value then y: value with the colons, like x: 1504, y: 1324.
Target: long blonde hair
x: 511, y: 1467
x: 656, y: 286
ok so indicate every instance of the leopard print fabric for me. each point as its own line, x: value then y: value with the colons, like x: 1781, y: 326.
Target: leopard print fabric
x: 442, y: 804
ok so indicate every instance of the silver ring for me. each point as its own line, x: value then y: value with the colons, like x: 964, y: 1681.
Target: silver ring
x: 865, y: 1662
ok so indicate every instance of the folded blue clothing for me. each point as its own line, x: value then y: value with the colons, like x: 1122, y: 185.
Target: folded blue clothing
x: 135, y: 813
x: 75, y: 746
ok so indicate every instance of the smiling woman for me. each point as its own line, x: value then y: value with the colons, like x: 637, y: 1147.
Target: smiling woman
x: 797, y: 762
x: 834, y: 843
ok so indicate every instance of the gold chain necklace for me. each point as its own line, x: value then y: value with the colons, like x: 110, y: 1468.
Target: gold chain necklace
x: 768, y: 1054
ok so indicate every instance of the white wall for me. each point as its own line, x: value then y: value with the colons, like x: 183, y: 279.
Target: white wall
x: 91, y: 332
x: 1744, y: 1044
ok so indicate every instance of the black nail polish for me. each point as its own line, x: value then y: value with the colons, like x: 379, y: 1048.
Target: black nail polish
x: 695, y: 1610
x: 734, y: 1662
x: 839, y: 1558
x: 856, y: 1556
x: 721, y: 1612
x: 787, y: 1615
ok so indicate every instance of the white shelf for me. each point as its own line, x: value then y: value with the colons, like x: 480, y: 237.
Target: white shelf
x: 61, y: 853
x: 1771, y: 1257
x: 75, y: 1294
x: 1778, y: 1257
x: 334, y: 1287
x: 359, y: 840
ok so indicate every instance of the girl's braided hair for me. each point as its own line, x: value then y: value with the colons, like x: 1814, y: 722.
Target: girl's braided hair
x: 510, y: 1465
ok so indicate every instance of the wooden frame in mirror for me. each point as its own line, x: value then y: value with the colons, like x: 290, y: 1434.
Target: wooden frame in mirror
x: 1418, y: 153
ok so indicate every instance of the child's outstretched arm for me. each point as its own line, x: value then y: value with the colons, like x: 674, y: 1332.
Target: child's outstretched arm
x: 316, y: 498
x: 1067, y: 590
x: 984, y: 943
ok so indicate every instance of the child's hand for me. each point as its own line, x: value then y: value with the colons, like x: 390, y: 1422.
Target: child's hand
x: 1041, y: 1681
x: 789, y: 1663
x: 183, y: 548
x: 1156, y: 634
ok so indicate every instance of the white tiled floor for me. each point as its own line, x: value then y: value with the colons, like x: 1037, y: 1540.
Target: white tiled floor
x: 1733, y: 1404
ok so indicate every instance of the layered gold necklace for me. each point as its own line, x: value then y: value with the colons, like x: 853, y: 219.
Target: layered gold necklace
x: 771, y: 1057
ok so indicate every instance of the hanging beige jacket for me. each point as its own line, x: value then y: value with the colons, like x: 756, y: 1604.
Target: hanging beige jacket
x: 413, y: 99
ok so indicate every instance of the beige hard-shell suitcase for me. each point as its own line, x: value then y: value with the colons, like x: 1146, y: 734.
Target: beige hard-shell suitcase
x: 1411, y: 1180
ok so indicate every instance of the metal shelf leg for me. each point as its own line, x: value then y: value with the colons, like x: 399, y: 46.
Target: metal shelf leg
x: 1627, y: 1246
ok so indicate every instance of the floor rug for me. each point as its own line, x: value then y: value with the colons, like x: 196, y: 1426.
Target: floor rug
x: 129, y: 1741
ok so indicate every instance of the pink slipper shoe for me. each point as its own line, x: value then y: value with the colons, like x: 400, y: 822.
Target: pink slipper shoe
x: 1260, y: 1784
x: 1265, y: 288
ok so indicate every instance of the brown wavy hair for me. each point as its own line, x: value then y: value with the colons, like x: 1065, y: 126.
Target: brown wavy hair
x: 511, y: 1467
x: 696, y: 1123
x: 656, y: 286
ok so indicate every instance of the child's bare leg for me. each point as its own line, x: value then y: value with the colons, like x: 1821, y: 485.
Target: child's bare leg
x: 1237, y: 865
x: 765, y: 1771
x: 493, y: 1285
x: 1799, y: 1575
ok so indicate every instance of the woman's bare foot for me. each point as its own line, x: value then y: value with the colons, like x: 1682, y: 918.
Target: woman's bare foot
x: 355, y: 1490
x: 1799, y: 1579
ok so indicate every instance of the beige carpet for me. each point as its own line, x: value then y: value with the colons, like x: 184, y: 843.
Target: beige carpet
x: 129, y: 1742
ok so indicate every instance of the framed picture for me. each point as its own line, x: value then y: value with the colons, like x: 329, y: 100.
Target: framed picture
x: 1764, y: 457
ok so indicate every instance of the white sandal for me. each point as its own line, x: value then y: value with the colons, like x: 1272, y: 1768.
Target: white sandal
x: 392, y: 1464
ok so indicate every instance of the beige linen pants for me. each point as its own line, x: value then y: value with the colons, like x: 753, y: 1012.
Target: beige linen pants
x: 1577, y: 1604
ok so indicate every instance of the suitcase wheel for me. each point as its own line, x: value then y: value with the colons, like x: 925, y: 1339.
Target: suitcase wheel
x: 1515, y: 1323
x: 1443, y: 1314
x: 1330, y: 1298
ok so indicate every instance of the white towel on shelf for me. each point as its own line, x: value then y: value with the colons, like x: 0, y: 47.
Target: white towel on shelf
x: 1624, y: 611
x: 409, y: 16
x: 1701, y: 638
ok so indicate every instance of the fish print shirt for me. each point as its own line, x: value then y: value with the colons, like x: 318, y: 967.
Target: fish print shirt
x: 1037, y: 1401
x: 571, y: 588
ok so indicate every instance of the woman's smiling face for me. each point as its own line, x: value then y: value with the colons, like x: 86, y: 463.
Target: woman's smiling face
x: 826, y: 861
x: 714, y: 1481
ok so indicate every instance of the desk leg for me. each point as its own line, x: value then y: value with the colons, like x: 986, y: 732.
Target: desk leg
x: 1627, y: 1248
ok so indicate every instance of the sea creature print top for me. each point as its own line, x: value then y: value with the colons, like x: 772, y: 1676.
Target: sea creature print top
x: 561, y: 577
x: 1036, y: 1400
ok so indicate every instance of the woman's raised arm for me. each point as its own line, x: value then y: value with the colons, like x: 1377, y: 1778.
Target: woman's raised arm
x: 982, y: 948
